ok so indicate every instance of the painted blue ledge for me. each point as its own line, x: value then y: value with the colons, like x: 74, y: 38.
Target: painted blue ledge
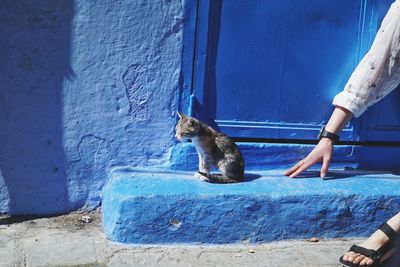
x: 155, y: 207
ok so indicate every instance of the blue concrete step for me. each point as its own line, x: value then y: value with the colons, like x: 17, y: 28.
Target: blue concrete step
x: 159, y: 206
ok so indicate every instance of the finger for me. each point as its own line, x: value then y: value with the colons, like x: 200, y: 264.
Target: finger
x: 294, y: 168
x: 325, y: 167
x: 302, y: 168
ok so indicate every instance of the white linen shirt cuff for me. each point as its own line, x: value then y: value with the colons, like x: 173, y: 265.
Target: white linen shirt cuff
x: 350, y: 102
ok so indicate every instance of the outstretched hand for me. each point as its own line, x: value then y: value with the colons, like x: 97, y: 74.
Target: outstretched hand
x: 322, y: 152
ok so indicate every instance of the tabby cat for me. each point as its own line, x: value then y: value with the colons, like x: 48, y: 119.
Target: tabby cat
x: 214, y: 149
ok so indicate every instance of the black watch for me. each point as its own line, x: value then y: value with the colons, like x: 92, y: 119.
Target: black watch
x: 325, y: 134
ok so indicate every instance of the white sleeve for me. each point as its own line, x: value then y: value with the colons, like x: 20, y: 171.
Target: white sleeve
x: 378, y: 73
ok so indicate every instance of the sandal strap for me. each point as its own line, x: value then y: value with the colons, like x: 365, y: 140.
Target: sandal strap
x: 370, y: 253
x: 388, y: 231
x: 385, y: 248
x: 375, y: 255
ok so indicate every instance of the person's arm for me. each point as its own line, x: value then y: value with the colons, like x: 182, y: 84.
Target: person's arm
x: 338, y: 120
x: 375, y: 76
x: 323, y: 151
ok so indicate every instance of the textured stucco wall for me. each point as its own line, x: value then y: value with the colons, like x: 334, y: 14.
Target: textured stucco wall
x: 84, y: 86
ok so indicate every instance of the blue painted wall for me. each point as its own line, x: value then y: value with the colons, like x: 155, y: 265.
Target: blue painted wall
x: 85, y: 86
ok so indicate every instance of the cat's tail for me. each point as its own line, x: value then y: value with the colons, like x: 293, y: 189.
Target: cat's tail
x: 219, y: 178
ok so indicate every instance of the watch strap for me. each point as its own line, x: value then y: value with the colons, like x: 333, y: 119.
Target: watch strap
x: 325, y: 134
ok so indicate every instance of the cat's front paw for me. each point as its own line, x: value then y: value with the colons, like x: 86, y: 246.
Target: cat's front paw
x: 201, y: 177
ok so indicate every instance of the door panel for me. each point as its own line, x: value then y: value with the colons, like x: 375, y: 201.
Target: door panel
x: 381, y: 122
x: 270, y: 69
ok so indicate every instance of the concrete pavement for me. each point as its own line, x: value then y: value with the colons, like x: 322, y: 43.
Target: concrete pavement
x: 77, y: 239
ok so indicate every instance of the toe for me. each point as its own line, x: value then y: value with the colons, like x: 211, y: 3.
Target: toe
x: 364, y: 261
x: 349, y: 256
x: 358, y: 259
x: 370, y: 262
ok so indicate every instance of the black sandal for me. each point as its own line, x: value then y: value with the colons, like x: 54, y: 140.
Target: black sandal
x: 375, y: 255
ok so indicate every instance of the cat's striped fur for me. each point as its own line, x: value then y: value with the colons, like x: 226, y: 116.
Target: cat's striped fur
x: 214, y: 149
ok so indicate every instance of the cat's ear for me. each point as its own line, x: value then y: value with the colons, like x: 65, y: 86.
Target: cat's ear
x: 180, y: 115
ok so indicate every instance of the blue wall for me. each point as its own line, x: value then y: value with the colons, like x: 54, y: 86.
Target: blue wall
x: 85, y: 86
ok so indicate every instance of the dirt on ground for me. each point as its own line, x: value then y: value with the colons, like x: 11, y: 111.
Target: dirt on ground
x: 71, y: 222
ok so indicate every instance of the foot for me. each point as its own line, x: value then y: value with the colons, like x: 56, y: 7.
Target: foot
x: 375, y: 241
x: 201, y: 177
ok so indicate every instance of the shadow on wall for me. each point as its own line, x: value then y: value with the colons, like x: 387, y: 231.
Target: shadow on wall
x: 34, y: 61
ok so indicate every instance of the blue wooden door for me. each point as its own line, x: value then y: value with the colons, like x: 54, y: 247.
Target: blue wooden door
x: 270, y: 69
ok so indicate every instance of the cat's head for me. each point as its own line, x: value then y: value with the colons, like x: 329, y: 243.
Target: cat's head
x: 187, y: 128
